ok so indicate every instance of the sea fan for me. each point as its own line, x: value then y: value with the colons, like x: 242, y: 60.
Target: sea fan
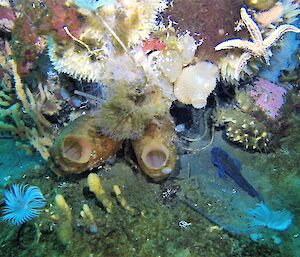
x: 92, y: 4
x: 262, y: 216
x: 22, y: 203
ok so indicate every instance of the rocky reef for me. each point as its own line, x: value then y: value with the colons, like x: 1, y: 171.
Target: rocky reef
x: 124, y: 101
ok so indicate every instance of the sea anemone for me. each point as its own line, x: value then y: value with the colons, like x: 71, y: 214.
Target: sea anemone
x: 22, y: 203
x: 262, y: 216
x: 195, y: 84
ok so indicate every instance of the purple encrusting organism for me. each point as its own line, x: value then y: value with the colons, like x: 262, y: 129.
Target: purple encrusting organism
x: 268, y: 96
x: 22, y: 203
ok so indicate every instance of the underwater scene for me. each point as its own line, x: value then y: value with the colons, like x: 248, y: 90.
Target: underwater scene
x: 149, y: 128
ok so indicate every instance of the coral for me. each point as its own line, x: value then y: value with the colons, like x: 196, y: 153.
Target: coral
x: 201, y: 25
x: 22, y: 115
x: 270, y: 16
x: 262, y: 216
x: 76, y: 64
x: 179, y: 52
x: 170, y: 63
x: 121, y: 199
x: 64, y: 207
x: 104, y: 35
x: 96, y: 187
x: 268, y: 96
x: 88, y: 218
x: 136, y: 19
x: 27, y: 36
x: 244, y: 129
x: 156, y: 151
x: 261, y: 4
x: 124, y: 69
x: 61, y: 16
x: 24, y: 37
x: 195, y: 83
x: 153, y: 44
x: 5, y: 3
x: 128, y: 110
x: 81, y: 147
x: 259, y: 46
x: 22, y: 203
x: 285, y: 11
x: 227, y: 65
x: 7, y: 18
x: 64, y: 227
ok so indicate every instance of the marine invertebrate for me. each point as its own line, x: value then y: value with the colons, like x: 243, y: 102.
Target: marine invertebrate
x: 262, y: 216
x: 268, y: 96
x: 77, y: 64
x: 170, y: 63
x: 105, y: 34
x: 64, y: 228
x: 22, y: 203
x: 38, y: 132
x: 266, y: 18
x: 242, y: 128
x: 227, y: 65
x: 80, y: 147
x: 260, y: 4
x: 259, y: 47
x: 180, y: 52
x: 195, y: 83
x: 138, y: 19
x: 128, y: 110
x: 156, y: 151
x: 61, y: 16
x: 121, y: 199
x: 7, y: 18
x: 96, y: 187
x: 88, y: 218
x: 153, y: 44
x: 201, y: 26
x: 24, y: 49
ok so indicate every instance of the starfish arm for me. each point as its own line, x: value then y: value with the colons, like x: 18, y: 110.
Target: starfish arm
x: 266, y: 58
x: 252, y: 27
x: 241, y: 64
x: 277, y: 34
x: 236, y: 43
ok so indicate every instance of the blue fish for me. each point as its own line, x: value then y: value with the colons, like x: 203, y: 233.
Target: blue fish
x: 232, y: 168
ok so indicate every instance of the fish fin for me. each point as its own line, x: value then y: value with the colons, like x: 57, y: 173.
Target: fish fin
x: 221, y: 172
x: 237, y: 163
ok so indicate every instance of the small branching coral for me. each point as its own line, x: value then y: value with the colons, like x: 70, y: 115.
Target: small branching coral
x: 22, y: 203
x: 128, y: 111
x: 102, y: 33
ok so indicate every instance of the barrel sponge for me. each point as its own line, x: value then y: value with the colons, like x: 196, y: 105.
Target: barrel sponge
x: 195, y: 83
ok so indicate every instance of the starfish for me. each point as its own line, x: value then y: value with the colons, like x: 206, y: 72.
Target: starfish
x: 258, y: 47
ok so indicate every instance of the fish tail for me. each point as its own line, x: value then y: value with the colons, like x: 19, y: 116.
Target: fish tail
x: 215, y: 220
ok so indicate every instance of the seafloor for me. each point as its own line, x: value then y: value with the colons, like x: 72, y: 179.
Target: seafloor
x: 193, y: 212
x: 153, y: 229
